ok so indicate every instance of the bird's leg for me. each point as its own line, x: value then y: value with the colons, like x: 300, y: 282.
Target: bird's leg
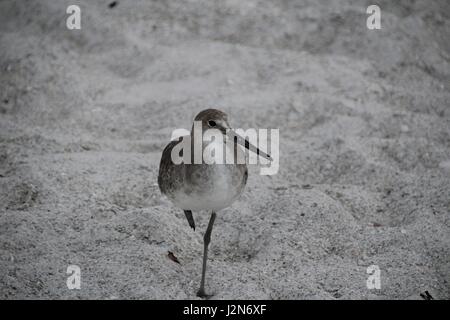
x: 190, y: 218
x: 206, y: 239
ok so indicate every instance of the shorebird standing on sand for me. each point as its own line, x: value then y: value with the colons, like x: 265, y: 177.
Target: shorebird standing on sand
x: 203, y: 186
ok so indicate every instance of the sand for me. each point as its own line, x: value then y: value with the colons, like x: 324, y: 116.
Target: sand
x: 364, y: 119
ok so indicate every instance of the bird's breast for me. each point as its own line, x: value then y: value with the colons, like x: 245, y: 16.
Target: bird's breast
x: 213, y: 187
x: 208, y: 186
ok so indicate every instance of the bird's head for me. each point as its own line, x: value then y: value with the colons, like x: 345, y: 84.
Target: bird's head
x: 213, y: 119
x: 216, y: 119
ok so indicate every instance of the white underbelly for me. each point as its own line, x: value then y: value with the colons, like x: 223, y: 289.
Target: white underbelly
x: 209, y: 187
x: 218, y: 196
x: 202, y: 203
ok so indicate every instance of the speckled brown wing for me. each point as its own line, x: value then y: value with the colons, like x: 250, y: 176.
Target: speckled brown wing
x: 170, y: 175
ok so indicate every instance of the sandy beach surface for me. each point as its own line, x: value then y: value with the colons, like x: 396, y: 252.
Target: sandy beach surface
x: 364, y: 119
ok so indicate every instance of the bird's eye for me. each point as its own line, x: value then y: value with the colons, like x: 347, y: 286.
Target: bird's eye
x: 211, y: 123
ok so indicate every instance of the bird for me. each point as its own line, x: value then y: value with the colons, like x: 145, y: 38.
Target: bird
x: 210, y: 187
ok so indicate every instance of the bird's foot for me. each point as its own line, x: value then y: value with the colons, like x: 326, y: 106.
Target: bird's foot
x: 202, y: 294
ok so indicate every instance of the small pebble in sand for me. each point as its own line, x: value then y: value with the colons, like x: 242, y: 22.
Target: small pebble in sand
x: 172, y: 257
x: 376, y: 224
x: 445, y: 165
x: 404, y: 128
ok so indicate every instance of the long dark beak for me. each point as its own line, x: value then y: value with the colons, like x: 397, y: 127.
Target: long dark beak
x: 246, y: 144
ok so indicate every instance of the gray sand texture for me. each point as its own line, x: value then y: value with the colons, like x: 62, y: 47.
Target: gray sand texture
x: 364, y: 119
